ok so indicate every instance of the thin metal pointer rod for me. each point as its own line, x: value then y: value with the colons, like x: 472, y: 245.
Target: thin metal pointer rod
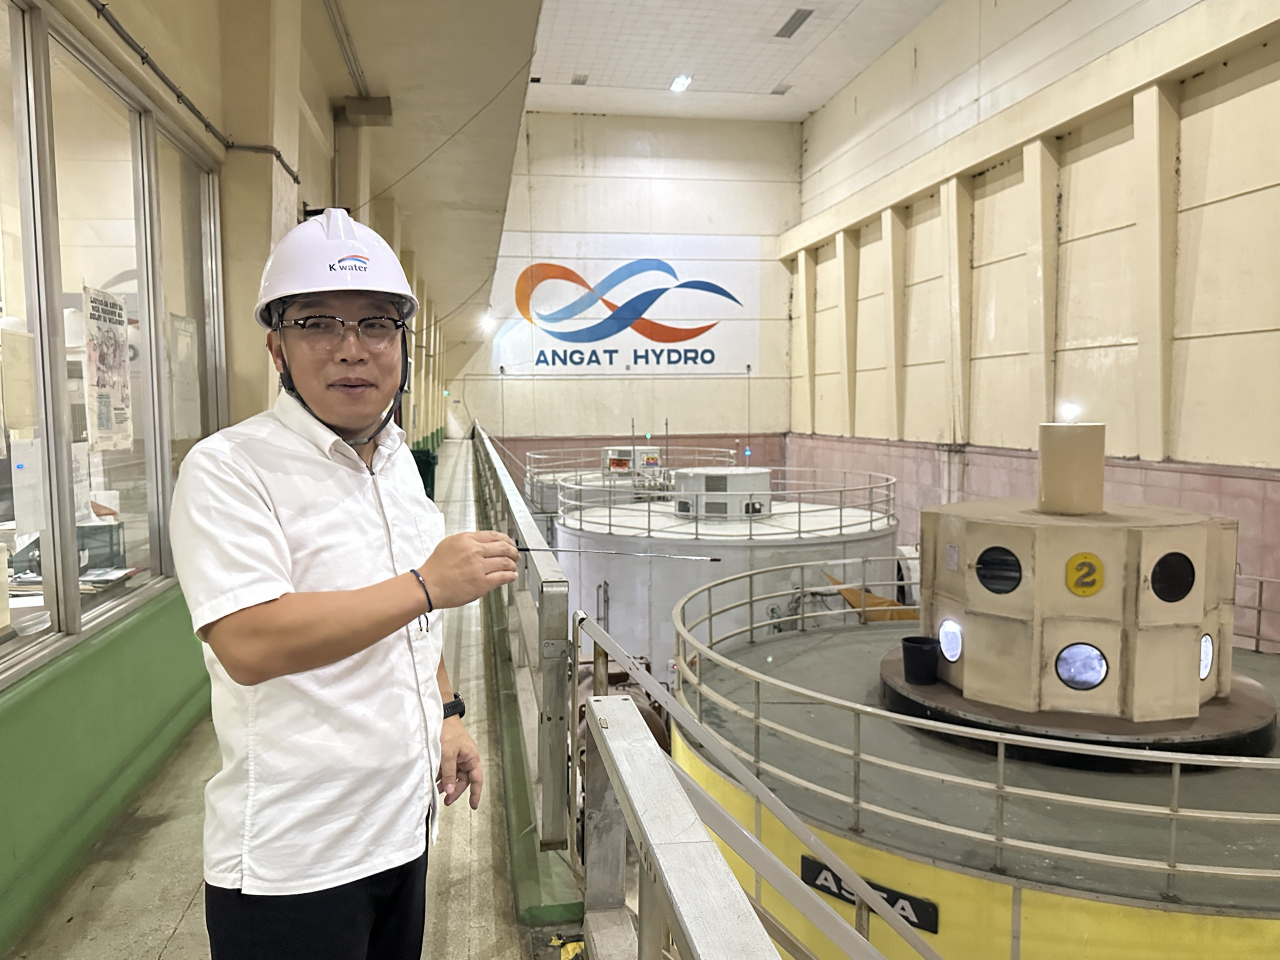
x: 617, y: 553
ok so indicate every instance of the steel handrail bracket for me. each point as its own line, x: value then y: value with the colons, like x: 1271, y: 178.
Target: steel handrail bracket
x: 543, y: 580
x: 687, y: 889
x: 606, y: 648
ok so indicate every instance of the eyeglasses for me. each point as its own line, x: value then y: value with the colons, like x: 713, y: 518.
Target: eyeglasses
x: 321, y: 331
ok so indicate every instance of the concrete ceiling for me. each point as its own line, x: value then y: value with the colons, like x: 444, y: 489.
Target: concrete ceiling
x: 630, y: 50
x: 440, y: 62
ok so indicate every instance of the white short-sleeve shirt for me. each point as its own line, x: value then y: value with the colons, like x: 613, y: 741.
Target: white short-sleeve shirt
x: 327, y: 775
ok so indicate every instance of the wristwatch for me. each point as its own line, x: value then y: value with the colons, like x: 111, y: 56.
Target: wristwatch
x: 455, y: 707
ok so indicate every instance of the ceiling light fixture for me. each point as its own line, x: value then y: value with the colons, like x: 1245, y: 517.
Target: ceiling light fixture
x: 794, y: 23
x: 681, y: 83
x: 579, y: 80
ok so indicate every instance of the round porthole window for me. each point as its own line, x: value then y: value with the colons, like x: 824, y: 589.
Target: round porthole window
x: 1206, y: 656
x: 1081, y: 666
x: 951, y: 640
x: 1173, y: 576
x: 999, y: 570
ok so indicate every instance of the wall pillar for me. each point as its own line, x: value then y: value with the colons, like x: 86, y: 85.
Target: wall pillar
x: 1156, y: 123
x: 893, y: 231
x: 847, y: 311
x: 957, y: 235
x: 803, y: 326
x: 1040, y: 183
x: 262, y: 45
x: 352, y: 169
x: 384, y: 217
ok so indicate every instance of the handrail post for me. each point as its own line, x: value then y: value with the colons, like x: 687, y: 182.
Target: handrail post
x: 651, y: 933
x: 862, y: 614
x: 751, y: 607
x: 699, y: 655
x: 1175, y: 790
x: 604, y: 837
x: 575, y: 640
x: 1257, y: 633
x: 857, y: 772
x: 711, y: 637
x: 599, y: 671
x: 802, y: 569
x: 1000, y: 756
x: 553, y: 759
x: 755, y: 726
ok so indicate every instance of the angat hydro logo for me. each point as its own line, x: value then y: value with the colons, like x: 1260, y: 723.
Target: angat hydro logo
x: 629, y: 315
x: 352, y: 262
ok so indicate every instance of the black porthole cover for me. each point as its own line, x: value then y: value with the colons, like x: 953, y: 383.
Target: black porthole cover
x: 1173, y: 576
x: 999, y: 570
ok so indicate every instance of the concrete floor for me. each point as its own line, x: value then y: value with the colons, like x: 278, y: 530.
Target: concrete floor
x: 845, y: 663
x: 140, y: 893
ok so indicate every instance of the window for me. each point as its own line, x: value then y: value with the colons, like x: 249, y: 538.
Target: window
x: 185, y: 328
x: 1081, y: 666
x: 110, y: 332
x: 24, y: 502
x: 104, y: 311
x: 999, y: 570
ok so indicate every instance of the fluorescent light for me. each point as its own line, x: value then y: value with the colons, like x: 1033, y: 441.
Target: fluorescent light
x: 1069, y: 412
x: 680, y: 84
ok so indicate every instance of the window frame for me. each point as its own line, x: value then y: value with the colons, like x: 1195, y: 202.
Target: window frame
x: 33, y: 26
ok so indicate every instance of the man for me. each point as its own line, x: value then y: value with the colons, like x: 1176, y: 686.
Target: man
x: 315, y: 569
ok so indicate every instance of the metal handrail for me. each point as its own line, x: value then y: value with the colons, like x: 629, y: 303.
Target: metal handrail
x: 606, y: 650
x: 692, y: 655
x: 715, y: 897
x: 540, y: 463
x: 824, y: 502
x: 1258, y: 626
x: 500, y: 506
x: 687, y: 889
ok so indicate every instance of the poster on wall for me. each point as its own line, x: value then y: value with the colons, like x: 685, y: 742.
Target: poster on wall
x: 184, y: 377
x: 107, y: 390
x: 627, y: 305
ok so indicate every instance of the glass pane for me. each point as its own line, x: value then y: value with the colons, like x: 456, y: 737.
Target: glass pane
x: 93, y: 145
x: 181, y: 186
x: 23, y: 494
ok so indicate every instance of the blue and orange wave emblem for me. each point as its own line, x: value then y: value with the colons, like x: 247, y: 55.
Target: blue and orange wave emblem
x: 621, y: 316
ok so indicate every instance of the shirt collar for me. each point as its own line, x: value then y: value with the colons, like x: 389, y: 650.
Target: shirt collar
x: 296, y: 417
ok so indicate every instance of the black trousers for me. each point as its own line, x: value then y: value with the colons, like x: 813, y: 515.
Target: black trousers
x: 376, y: 918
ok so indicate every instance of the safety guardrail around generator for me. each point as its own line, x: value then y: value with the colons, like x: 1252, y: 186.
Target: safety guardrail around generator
x: 540, y: 464
x: 538, y: 603
x: 1258, y: 612
x: 744, y: 613
x: 805, y: 502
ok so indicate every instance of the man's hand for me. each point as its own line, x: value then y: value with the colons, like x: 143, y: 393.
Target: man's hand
x: 459, y: 763
x: 466, y: 566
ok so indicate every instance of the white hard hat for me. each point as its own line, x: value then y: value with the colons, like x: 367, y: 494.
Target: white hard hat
x: 332, y: 252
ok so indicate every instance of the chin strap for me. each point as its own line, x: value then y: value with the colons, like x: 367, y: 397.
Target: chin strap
x: 286, y: 384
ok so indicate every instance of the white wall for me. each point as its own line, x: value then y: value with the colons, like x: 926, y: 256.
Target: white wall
x: 967, y: 62
x: 710, y: 197
x: 1109, y: 240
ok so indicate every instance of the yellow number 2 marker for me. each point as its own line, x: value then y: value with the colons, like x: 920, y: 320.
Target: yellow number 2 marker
x: 1084, y: 574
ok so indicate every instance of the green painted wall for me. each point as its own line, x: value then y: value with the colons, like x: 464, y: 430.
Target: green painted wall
x: 80, y: 737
